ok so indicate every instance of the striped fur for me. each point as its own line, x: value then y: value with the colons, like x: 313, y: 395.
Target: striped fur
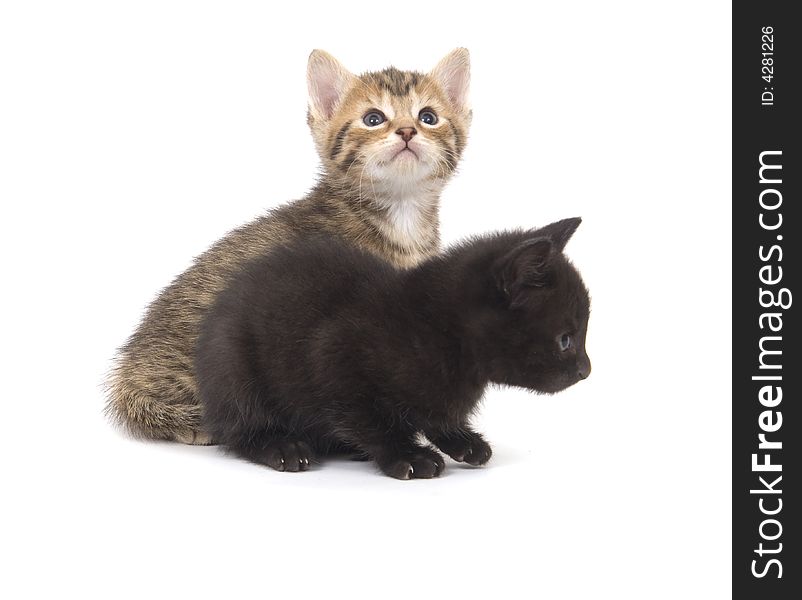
x: 381, y: 200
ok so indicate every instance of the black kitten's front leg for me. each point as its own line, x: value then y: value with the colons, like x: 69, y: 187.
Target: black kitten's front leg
x: 463, y: 445
x: 397, y: 455
x: 415, y: 462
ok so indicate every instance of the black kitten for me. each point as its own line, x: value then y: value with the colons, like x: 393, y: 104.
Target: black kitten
x: 319, y: 346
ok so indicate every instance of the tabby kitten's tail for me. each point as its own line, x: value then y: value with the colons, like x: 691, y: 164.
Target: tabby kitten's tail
x: 153, y: 418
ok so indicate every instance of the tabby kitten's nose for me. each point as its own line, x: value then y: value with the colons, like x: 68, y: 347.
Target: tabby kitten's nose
x: 406, y: 133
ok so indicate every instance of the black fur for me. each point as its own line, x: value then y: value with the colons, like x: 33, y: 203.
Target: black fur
x: 320, y: 346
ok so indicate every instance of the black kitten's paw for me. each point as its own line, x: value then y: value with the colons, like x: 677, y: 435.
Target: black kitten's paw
x: 420, y: 464
x: 469, y: 447
x: 287, y: 456
x: 479, y: 452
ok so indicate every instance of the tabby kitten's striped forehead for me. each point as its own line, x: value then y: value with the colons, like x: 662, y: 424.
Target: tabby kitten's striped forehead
x: 391, y: 127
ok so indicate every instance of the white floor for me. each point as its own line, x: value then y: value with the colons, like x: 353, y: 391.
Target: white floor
x: 572, y: 505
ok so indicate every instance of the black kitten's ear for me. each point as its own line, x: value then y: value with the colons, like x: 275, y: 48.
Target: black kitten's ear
x: 525, y: 266
x: 560, y: 232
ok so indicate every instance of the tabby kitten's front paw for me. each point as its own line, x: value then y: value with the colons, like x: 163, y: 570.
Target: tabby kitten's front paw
x: 419, y: 464
x: 468, y: 447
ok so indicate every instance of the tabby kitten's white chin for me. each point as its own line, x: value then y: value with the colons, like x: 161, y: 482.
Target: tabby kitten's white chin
x: 400, y: 164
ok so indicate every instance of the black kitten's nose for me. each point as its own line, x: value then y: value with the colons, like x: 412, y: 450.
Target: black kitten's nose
x: 583, y: 368
x: 406, y: 133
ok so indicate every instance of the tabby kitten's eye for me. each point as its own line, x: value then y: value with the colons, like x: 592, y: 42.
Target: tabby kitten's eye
x: 428, y: 116
x: 565, y: 342
x: 374, y: 118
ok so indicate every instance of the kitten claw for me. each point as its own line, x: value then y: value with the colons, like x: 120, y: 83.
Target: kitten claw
x: 423, y: 464
x: 282, y: 455
x: 471, y: 448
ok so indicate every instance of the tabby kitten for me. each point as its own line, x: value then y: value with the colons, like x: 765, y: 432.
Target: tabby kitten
x: 388, y: 141
x: 319, y: 345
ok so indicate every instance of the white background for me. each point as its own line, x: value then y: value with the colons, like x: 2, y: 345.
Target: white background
x: 132, y: 135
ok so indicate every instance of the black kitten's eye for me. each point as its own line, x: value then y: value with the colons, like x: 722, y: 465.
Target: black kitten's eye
x: 565, y: 342
x: 374, y: 118
x: 428, y: 116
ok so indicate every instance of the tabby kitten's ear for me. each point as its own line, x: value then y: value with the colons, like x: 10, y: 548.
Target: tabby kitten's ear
x: 525, y: 266
x: 328, y: 81
x: 453, y: 73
